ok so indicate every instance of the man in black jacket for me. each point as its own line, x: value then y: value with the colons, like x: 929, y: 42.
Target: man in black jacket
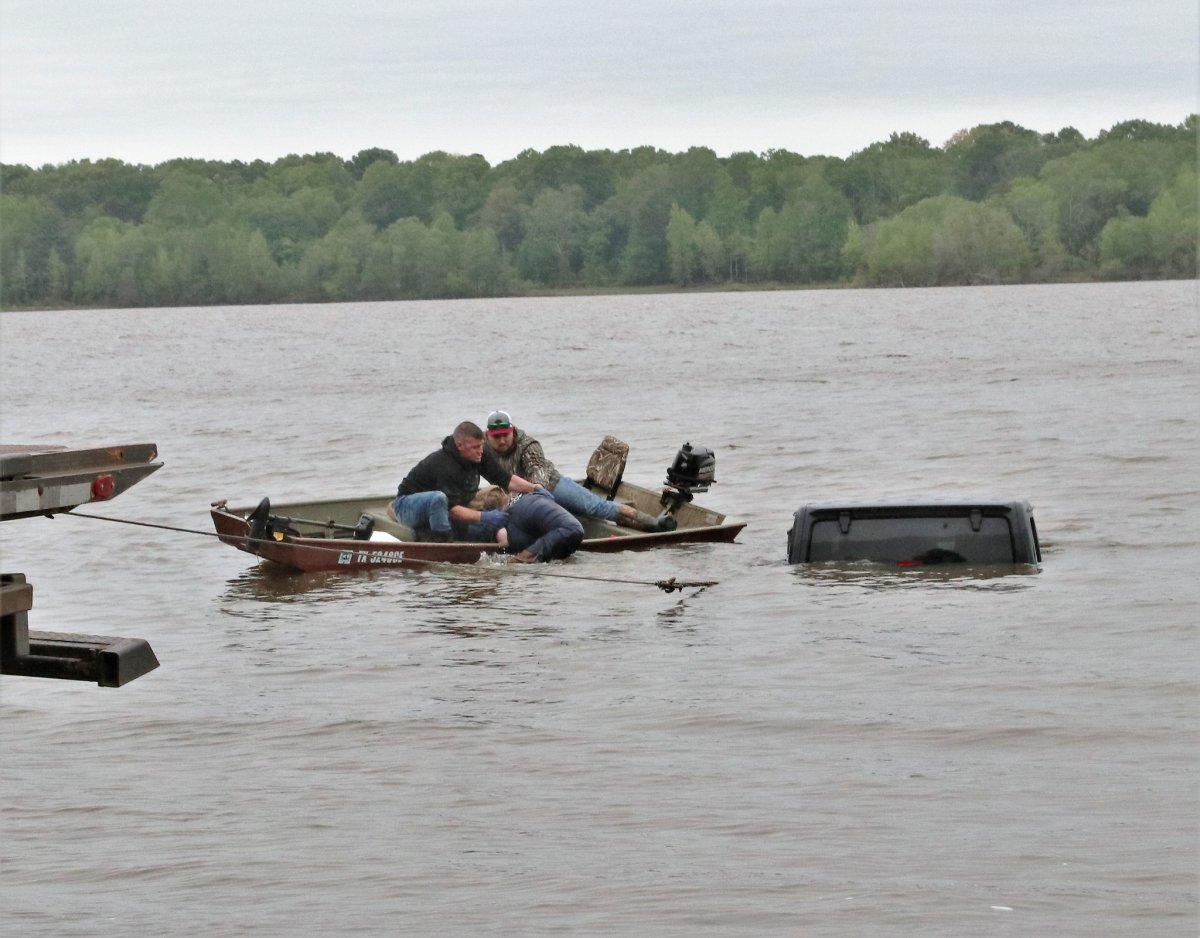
x: 432, y: 499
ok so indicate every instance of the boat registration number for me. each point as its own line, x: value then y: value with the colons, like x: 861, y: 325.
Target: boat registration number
x: 381, y: 556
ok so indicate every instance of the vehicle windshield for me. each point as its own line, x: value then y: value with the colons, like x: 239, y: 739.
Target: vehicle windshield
x: 928, y: 540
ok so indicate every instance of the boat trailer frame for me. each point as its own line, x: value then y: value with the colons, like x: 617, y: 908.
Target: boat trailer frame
x: 46, y: 481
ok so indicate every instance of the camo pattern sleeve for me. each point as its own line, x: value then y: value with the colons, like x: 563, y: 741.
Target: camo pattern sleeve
x: 534, y: 465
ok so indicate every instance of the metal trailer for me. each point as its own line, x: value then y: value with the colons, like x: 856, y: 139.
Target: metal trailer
x: 46, y: 481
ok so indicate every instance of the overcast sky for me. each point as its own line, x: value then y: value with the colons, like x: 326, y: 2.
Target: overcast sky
x: 149, y: 80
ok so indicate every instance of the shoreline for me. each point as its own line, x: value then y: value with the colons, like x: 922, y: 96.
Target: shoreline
x: 650, y: 290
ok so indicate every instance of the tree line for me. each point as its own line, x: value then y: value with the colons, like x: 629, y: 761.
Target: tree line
x: 998, y: 203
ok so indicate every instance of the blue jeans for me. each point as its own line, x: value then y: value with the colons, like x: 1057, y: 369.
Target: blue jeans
x: 424, y: 510
x: 431, y: 510
x: 579, y: 501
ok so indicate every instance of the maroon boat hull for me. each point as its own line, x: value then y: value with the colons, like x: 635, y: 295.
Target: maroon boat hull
x: 319, y: 554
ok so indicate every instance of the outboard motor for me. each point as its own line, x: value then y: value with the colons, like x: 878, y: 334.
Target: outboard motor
x: 692, y: 471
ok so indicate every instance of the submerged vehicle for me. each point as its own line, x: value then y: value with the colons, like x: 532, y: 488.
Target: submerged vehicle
x: 916, y: 534
x: 363, y: 533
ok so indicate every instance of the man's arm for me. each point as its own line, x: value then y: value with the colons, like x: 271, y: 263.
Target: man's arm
x: 491, y: 469
x: 534, y: 465
x: 521, y: 486
x: 464, y: 515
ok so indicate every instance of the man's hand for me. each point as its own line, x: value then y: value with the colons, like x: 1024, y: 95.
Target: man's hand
x: 520, y: 486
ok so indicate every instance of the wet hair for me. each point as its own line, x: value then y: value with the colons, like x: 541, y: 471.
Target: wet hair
x: 490, y: 499
x: 467, y: 431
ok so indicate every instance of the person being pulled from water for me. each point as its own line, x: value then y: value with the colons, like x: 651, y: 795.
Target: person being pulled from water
x: 434, y: 497
x: 538, y: 527
x: 518, y: 452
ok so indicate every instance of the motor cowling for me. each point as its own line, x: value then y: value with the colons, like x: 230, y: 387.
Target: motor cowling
x: 694, y: 468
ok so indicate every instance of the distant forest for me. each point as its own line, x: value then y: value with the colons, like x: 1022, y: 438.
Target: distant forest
x: 995, y: 204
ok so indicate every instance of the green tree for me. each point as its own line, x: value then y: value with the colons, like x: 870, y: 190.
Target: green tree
x: 945, y: 240
x: 600, y: 247
x: 238, y: 265
x: 768, y: 249
x: 164, y: 283
x: 886, y: 178
x: 31, y: 228
x: 1144, y: 131
x: 58, y: 283
x: 640, y: 210
x: 979, y: 243
x: 774, y: 176
x: 14, y: 281
x: 561, y: 167
x: 813, y: 225
x: 358, y: 163
x: 502, y: 214
x: 1162, y: 244
x: 1033, y: 207
x: 331, y: 268
x: 289, y: 222
x: 484, y: 270
x: 693, y: 179
x: 1107, y: 180
x: 987, y: 158
x: 1087, y: 193
x: 681, y: 236
x: 422, y: 261
x: 460, y: 186
x: 1179, y: 234
x: 556, y: 228
x: 855, y: 250
x: 728, y: 214
x: 386, y: 194
x: 113, y: 258
x: 694, y: 249
x: 321, y: 171
x: 447, y: 242
x: 728, y: 206
x: 186, y: 200
x: 83, y: 188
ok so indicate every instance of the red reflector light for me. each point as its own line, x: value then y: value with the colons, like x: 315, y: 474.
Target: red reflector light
x: 908, y: 563
x: 103, y: 487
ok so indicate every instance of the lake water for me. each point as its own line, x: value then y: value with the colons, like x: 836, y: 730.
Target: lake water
x: 515, y: 752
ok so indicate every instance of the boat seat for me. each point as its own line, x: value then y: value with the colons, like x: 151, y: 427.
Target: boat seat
x: 385, y: 520
x: 607, y: 466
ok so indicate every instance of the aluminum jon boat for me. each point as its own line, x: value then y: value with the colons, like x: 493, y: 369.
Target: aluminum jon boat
x: 361, y: 533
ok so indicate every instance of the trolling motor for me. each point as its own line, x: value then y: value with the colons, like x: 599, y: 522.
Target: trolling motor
x: 265, y: 526
x: 691, y: 472
x: 260, y: 524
